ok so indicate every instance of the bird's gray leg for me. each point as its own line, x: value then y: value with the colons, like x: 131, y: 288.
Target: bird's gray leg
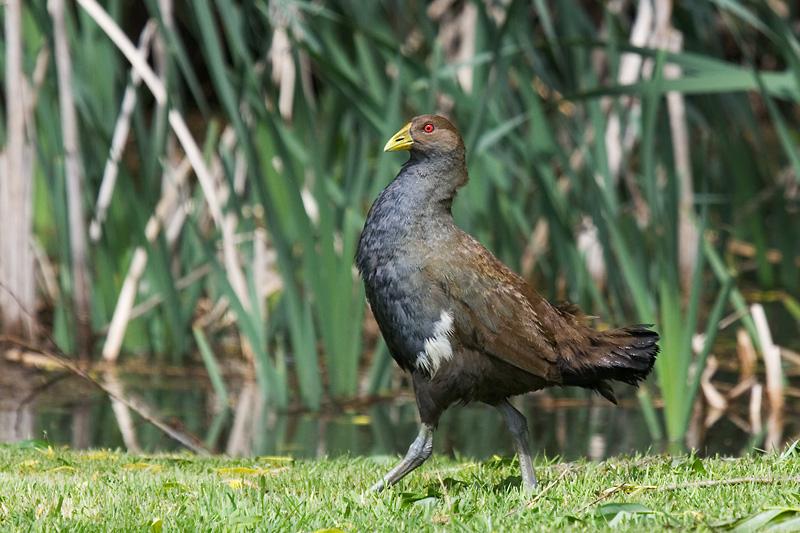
x: 418, y: 453
x: 519, y: 431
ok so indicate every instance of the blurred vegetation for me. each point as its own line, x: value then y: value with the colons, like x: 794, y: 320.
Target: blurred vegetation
x: 647, y: 169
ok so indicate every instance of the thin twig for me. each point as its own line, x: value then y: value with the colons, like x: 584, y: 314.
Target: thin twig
x: 531, y: 504
x: 603, y: 496
x: 722, y: 482
x: 702, y: 483
x: 549, y: 486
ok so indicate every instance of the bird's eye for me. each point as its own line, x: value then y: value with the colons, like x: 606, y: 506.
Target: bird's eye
x: 428, y: 128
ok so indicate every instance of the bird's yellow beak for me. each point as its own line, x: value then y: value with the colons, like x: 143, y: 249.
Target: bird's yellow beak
x: 400, y: 141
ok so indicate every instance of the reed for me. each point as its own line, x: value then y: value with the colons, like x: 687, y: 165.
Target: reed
x: 614, y: 153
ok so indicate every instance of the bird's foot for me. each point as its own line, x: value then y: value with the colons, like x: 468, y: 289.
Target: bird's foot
x: 529, y: 483
x: 418, y: 453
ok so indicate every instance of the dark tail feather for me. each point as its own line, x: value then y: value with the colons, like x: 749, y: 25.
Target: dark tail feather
x: 625, y: 354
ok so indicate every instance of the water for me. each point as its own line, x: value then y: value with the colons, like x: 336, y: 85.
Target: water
x: 65, y: 410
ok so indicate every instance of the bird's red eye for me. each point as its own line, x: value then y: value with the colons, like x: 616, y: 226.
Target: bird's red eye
x: 428, y: 128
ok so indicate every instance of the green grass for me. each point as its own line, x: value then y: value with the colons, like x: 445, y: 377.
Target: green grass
x: 57, y: 489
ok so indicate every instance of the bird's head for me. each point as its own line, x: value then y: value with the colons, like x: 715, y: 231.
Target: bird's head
x: 430, y: 136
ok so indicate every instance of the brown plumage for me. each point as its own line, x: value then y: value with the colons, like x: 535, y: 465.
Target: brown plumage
x: 462, y: 323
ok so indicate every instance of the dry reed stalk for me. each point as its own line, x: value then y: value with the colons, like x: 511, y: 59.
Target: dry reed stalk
x: 696, y: 430
x: 749, y: 250
x: 176, y: 178
x: 746, y: 352
x: 206, y: 183
x: 38, y: 77
x: 588, y: 244
x: 652, y: 26
x: 755, y: 408
x: 240, y: 441
x: 160, y: 51
x: 230, y: 220
x: 215, y: 316
x: 457, y: 36
x: 688, y: 234
x: 181, y: 130
x: 49, y: 278
x: 73, y: 169
x: 162, y: 63
x: 790, y: 355
x: 121, y: 412
x: 119, y: 138
x: 306, y: 80
x: 166, y: 207
x: 283, y: 71
x: 772, y: 358
x: 81, y: 426
x: 261, y: 271
x: 127, y: 294
x: 180, y: 284
x: 536, y: 247
x: 717, y: 404
x: 240, y: 172
x: 772, y: 363
x: 740, y: 388
x: 617, y: 141
x: 17, y: 272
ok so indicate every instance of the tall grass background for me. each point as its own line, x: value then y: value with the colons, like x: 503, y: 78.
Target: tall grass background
x: 637, y: 158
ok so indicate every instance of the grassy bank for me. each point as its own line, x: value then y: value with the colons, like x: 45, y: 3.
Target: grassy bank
x: 53, y: 489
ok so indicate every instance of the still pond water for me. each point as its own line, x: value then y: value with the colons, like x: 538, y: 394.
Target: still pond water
x: 65, y: 410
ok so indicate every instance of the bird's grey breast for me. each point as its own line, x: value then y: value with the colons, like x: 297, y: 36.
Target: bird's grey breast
x: 391, y: 257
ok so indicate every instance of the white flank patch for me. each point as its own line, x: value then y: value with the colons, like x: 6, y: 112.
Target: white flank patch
x: 437, y: 346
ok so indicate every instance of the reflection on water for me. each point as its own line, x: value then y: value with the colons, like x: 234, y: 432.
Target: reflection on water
x: 17, y: 413
x: 62, y: 409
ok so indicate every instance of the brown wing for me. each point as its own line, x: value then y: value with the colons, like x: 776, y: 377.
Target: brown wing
x: 496, y: 312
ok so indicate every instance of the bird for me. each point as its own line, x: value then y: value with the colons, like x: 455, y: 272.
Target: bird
x: 460, y: 322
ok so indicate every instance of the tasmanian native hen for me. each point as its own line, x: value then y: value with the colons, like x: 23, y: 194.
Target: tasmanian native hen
x: 458, y: 320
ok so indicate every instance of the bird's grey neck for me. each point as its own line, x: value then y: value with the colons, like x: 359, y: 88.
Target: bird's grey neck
x: 429, y: 184
x: 413, y: 208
